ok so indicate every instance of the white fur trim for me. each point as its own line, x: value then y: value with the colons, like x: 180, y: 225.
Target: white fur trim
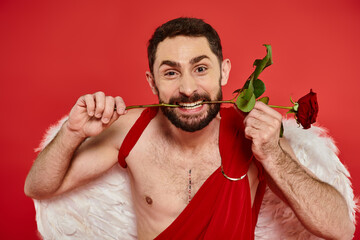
x: 103, y: 208
x: 51, y: 133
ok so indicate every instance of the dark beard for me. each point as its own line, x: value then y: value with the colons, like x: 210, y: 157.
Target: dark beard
x: 192, y: 123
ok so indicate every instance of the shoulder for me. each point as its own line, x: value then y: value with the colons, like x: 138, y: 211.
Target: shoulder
x: 127, y: 120
x: 120, y: 128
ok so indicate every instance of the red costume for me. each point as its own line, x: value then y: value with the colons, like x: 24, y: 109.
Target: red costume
x: 221, y: 209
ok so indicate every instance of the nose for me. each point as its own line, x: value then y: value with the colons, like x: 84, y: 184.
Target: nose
x: 188, y: 85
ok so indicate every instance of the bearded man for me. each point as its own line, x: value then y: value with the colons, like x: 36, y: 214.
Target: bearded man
x: 198, y: 171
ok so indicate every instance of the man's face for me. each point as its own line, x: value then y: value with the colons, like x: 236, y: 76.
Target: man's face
x: 186, y: 72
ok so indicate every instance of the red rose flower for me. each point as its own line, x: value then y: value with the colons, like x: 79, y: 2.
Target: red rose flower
x: 308, y: 110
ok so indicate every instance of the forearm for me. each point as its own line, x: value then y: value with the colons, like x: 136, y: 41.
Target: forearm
x: 50, y: 167
x: 319, y: 206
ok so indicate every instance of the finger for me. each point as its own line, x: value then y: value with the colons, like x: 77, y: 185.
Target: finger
x: 120, y: 105
x: 108, y: 110
x: 114, y: 117
x: 251, y: 132
x: 254, y: 128
x: 266, y: 109
x: 267, y: 131
x: 99, y: 104
x: 90, y: 104
x: 264, y: 118
x: 256, y: 118
x: 254, y: 123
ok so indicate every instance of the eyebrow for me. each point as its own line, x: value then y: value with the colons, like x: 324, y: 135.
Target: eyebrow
x: 198, y: 59
x: 170, y: 63
x: 176, y: 64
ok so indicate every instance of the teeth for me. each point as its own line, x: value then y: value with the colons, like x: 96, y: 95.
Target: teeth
x: 191, y: 105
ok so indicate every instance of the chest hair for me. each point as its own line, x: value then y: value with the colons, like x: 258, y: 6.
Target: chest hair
x: 179, y: 173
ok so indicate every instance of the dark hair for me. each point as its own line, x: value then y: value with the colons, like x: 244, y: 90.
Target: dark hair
x: 192, y: 27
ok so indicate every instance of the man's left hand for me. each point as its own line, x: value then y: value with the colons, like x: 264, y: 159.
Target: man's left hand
x: 262, y: 126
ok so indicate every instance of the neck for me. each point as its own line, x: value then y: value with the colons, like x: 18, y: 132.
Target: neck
x: 189, y: 140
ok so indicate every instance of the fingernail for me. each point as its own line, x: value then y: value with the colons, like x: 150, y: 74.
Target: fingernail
x: 98, y: 115
x: 105, y: 120
x: 91, y: 114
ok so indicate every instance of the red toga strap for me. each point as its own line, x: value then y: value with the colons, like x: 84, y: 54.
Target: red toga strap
x: 221, y: 209
x: 260, y: 192
x: 134, y: 134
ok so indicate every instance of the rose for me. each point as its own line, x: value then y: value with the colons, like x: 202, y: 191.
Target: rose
x: 307, y: 110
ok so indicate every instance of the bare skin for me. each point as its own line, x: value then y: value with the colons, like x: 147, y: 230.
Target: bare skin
x: 292, y: 182
x: 160, y: 161
x: 158, y: 197
x: 167, y: 185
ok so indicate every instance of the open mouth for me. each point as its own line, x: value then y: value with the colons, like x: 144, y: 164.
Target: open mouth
x: 192, y: 105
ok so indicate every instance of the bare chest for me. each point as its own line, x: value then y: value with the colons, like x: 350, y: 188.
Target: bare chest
x: 164, y: 180
x: 166, y: 174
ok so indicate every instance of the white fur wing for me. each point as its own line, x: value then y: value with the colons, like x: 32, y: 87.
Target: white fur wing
x: 101, y: 209
x: 318, y: 153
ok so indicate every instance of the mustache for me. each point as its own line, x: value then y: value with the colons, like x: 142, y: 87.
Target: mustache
x: 193, y: 98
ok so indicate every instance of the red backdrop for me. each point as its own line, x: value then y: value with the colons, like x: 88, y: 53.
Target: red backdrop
x: 51, y: 52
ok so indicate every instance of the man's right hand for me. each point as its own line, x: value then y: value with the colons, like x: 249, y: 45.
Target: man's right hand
x: 57, y: 168
x: 93, y: 113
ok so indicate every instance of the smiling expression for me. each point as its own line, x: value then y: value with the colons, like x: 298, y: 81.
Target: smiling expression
x: 187, y: 72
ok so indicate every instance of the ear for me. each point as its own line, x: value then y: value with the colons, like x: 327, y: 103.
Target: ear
x: 151, y: 81
x: 225, y: 71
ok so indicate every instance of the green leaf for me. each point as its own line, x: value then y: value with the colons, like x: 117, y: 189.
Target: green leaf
x: 246, y: 85
x: 244, y: 104
x: 261, y: 64
x: 249, y: 91
x: 264, y: 100
x: 253, y: 88
x: 257, y: 62
x: 259, y: 87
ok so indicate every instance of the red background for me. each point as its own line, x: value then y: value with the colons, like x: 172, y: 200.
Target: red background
x: 52, y: 52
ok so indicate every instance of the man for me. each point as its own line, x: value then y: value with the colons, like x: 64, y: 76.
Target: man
x: 174, y: 156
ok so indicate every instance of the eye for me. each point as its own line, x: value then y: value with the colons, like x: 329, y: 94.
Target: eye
x: 201, y: 69
x: 170, y: 73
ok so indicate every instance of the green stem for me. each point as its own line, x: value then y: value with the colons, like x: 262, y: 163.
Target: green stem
x: 274, y: 106
x: 173, y: 105
x: 206, y: 102
x: 152, y: 105
x: 223, y: 101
